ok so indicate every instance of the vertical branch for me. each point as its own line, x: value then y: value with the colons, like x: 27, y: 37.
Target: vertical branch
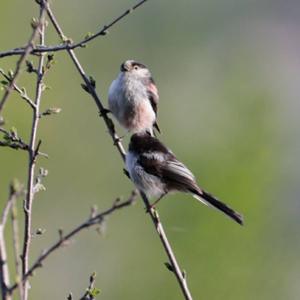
x: 4, y: 271
x: 173, y: 266
x: 90, y: 87
x: 33, y: 152
x: 16, y: 246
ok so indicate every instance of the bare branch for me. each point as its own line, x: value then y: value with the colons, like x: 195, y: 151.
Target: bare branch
x: 4, y: 271
x: 69, y: 46
x: 16, y: 246
x: 15, y: 142
x: 33, y: 149
x: 90, y: 88
x: 22, y: 93
x: 174, y: 266
x: 15, y: 190
x: 22, y: 59
x: 64, y: 239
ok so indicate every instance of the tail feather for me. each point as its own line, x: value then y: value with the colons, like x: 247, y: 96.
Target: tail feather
x: 208, y: 199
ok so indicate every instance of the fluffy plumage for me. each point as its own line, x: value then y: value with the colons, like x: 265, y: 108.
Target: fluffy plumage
x: 133, y: 98
x: 156, y: 171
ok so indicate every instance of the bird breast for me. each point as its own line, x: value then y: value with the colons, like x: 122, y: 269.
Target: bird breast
x: 151, y: 185
x: 128, y: 101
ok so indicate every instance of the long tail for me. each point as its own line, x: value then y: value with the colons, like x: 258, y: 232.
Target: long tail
x: 212, y: 201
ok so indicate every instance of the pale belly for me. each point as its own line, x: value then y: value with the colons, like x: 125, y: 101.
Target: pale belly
x: 139, y: 117
x: 149, y: 184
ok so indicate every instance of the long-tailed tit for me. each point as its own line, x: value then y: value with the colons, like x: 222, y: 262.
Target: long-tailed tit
x: 156, y: 171
x: 133, y: 98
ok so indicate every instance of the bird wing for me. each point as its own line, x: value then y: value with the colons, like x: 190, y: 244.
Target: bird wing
x: 178, y: 176
x: 170, y: 170
x: 153, y: 98
x: 153, y: 94
x: 152, y: 163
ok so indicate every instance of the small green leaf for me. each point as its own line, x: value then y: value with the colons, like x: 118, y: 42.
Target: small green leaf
x: 34, y: 23
x: 39, y: 187
x: 14, y: 132
x: 94, y: 292
x: 43, y: 172
x: 11, y: 74
x: 88, y: 35
x: 51, y: 111
x: 67, y: 40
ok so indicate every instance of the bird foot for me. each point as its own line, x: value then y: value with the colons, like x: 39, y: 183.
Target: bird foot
x: 119, y: 139
x: 150, y: 207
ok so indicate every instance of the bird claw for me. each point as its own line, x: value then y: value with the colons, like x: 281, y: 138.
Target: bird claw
x: 119, y: 139
x: 150, y: 207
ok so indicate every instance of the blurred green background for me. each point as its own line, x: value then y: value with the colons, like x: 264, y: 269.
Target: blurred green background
x: 228, y: 76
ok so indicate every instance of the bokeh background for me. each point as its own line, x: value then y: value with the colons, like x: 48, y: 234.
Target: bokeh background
x: 228, y: 75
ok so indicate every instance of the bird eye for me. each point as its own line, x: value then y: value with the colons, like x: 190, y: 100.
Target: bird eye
x: 136, y: 67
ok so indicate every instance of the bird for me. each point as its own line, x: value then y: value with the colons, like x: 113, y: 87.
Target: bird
x: 133, y: 98
x: 156, y: 171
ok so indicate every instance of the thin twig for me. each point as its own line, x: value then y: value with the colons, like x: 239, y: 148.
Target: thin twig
x: 174, y: 266
x: 90, y: 87
x: 16, y: 246
x: 33, y: 154
x: 22, y: 59
x: 91, y: 292
x: 4, y: 271
x: 16, y: 142
x: 64, y: 239
x: 19, y: 90
x: 69, y: 46
x: 14, y: 192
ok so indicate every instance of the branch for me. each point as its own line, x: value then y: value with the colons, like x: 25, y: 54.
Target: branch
x: 16, y: 246
x: 69, y: 46
x: 27, y: 50
x: 12, y: 140
x: 90, y: 88
x: 22, y: 92
x: 4, y: 271
x: 32, y: 151
x: 64, y: 239
x: 91, y: 292
x: 14, y: 192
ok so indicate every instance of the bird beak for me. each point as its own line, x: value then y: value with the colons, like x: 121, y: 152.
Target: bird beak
x: 124, y: 67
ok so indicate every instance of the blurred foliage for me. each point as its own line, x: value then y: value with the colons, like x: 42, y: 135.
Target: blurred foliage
x: 228, y: 76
